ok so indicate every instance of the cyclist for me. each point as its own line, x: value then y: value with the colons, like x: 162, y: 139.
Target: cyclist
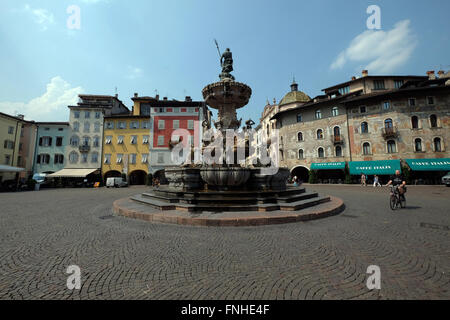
x: 397, y: 180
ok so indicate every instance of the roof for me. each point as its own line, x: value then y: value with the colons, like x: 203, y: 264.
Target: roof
x: 294, y: 96
x: 126, y: 115
x: 12, y: 117
x: 373, y: 77
x: 53, y: 123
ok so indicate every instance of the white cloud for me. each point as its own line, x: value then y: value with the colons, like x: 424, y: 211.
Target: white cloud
x: 133, y: 73
x: 381, y: 51
x: 50, y: 106
x: 43, y: 17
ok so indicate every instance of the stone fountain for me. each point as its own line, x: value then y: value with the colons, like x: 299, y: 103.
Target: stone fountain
x: 220, y: 186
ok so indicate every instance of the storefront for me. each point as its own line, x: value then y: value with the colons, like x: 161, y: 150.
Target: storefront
x: 382, y: 168
x: 428, y: 171
x: 329, y: 172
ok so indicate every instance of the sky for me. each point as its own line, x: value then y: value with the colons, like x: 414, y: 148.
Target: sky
x: 167, y: 47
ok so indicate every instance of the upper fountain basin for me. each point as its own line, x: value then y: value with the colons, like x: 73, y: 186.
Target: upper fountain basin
x: 227, y: 93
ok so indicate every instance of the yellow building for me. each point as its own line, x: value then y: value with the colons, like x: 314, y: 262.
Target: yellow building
x: 126, y: 141
x: 10, y: 131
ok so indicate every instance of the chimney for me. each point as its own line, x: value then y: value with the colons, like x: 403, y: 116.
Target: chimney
x: 135, y: 94
x: 365, y: 73
x: 157, y: 97
x: 20, y: 116
x: 165, y: 98
x: 353, y: 78
x: 441, y: 73
x: 188, y: 99
x: 431, y: 75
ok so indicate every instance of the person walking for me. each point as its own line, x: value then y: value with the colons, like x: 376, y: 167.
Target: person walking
x: 376, y: 182
x: 363, y: 180
x: 295, y: 181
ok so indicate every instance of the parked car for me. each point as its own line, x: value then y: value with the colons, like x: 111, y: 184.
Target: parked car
x: 116, y: 182
x: 446, y: 179
x: 41, y: 180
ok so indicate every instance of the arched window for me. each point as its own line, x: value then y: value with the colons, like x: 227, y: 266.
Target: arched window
x: 437, y: 144
x: 338, y: 151
x: 87, y: 126
x: 418, y: 145
x: 318, y: 114
x: 73, y: 157
x: 337, y: 131
x: 94, y: 158
x: 391, y: 147
x: 86, y: 141
x: 319, y: 134
x: 301, y: 154
x: 415, y: 122
x: 320, y: 152
x: 388, y: 123
x: 433, y: 121
x: 366, y: 148
x: 300, y: 136
x: 74, y: 141
x: 364, y: 127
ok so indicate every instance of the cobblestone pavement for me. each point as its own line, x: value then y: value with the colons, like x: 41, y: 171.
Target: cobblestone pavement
x: 44, y: 232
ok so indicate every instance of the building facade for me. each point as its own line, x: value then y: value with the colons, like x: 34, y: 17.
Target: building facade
x: 372, y: 118
x: 10, y: 131
x: 51, y: 141
x: 27, y: 147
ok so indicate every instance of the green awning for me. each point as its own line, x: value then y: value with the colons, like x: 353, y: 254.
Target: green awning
x: 374, y: 167
x: 429, y: 164
x: 327, y: 165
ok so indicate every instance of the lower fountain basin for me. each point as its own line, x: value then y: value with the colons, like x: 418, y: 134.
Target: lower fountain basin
x: 225, y: 177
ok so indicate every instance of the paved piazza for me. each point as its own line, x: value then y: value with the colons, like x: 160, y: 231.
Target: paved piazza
x: 44, y: 232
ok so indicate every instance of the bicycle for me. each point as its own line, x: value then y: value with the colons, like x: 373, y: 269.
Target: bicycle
x: 396, y: 199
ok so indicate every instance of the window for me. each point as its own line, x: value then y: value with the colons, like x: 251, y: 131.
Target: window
x: 320, y: 134
x: 87, y: 127
x: 161, y: 109
x: 412, y: 102
x: 430, y: 100
x: 176, y: 109
x: 108, y: 139
x: 191, y: 124
x: 176, y: 124
x: 20, y: 146
x: 300, y: 136
x: 386, y: 105
x: 301, y: 154
x: 388, y: 123
x: 97, y: 127
x: 73, y: 157
x: 337, y: 131
x: 362, y: 109
x: 161, y: 124
x: 8, y: 144
x: 145, y: 124
x: 120, y: 140
x: 76, y: 114
x: 418, y: 145
x: 97, y: 115
x: 437, y: 144
x: 433, y: 121
x: 364, y: 127
x: 133, y: 158
x: 318, y: 114
x: 321, y: 153
x: 122, y: 125
x: 134, y: 125
x: 398, y: 84
x: 84, y: 158
x: 107, y: 159
x: 378, y: 85
x: 59, y: 141
x: 94, y: 157
x: 60, y: 129
x: 119, y: 158
x: 344, y: 90
x: 59, y: 159
x: 299, y: 117
x: 391, y: 147
x: 144, y: 158
x: 86, y: 141
x: 145, y: 139
x: 45, y: 141
x: 160, y: 158
x: 160, y: 140
x: 45, y: 158
x: 74, y: 141
x: 109, y: 125
x: 10, y: 130
x: 47, y: 129
x: 7, y: 159
x: 366, y: 148
x: 335, y: 111
x: 133, y: 140
x: 338, y: 151
x: 415, y: 122
x: 76, y: 126
x: 87, y: 114
x: 145, y: 109
x: 96, y: 143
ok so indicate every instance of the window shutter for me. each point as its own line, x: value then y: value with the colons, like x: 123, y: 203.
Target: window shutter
x: 40, y: 141
x: 50, y: 142
x: 38, y: 159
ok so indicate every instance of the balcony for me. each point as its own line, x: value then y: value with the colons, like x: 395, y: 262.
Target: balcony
x: 84, y: 148
x: 389, y: 132
x: 337, y: 139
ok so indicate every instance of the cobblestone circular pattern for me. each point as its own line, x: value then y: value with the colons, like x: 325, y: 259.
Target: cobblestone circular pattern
x: 44, y: 232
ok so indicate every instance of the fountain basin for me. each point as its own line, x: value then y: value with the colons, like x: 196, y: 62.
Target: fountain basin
x: 224, y: 177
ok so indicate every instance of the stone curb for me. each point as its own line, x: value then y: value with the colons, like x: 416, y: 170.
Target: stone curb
x: 334, y: 207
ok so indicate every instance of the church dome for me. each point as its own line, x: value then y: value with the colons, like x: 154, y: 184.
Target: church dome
x: 294, y: 96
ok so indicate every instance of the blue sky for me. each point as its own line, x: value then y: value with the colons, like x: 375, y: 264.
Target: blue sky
x: 143, y: 46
